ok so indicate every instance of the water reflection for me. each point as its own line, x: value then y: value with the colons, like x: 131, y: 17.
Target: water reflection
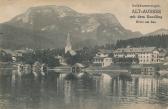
x: 86, y: 92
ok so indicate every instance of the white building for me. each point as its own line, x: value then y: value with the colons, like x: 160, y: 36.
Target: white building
x: 145, y: 55
x: 102, y: 59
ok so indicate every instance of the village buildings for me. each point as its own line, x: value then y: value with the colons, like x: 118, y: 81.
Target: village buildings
x: 102, y: 58
x: 145, y: 55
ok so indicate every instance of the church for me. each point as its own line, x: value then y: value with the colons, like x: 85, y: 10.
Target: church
x: 68, y: 46
x: 67, y: 50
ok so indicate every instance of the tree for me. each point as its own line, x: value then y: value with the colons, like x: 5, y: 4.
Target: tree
x: 5, y: 57
x: 156, y: 40
x: 28, y: 58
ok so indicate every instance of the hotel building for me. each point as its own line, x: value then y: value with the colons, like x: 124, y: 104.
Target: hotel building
x: 145, y: 55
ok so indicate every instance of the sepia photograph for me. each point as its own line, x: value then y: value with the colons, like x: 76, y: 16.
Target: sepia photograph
x: 83, y: 54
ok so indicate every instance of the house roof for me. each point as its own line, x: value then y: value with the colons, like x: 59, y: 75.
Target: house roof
x: 7, y: 51
x: 105, y: 51
x: 98, y: 57
x: 72, y: 52
x: 79, y: 65
x: 58, y: 57
x: 142, y: 49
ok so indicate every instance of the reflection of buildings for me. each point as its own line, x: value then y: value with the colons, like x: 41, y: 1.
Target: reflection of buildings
x: 146, y: 55
x: 139, y: 90
x: 143, y: 69
x: 140, y: 87
x: 148, y: 70
x: 68, y: 92
x: 102, y: 58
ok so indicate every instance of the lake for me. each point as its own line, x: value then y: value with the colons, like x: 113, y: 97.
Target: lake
x: 97, y: 92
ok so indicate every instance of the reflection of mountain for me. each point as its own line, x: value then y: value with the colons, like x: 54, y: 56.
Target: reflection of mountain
x: 47, y: 27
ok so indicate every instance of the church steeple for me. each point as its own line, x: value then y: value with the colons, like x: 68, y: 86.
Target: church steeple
x: 68, y: 46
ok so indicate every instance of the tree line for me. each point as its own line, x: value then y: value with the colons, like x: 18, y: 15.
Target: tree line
x: 160, y: 41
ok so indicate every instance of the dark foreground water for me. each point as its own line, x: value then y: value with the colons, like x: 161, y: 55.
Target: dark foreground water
x: 54, y: 92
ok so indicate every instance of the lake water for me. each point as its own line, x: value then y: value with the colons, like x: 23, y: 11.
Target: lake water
x: 54, y: 92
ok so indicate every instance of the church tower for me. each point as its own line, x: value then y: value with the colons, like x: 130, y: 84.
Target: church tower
x: 68, y: 46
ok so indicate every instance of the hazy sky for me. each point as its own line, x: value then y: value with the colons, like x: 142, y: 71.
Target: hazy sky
x: 120, y: 8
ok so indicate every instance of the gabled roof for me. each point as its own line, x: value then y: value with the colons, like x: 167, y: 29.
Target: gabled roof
x: 98, y: 57
x: 58, y: 57
x: 7, y: 51
x: 141, y: 49
x: 72, y: 52
x: 20, y: 51
x: 79, y: 65
x: 105, y: 51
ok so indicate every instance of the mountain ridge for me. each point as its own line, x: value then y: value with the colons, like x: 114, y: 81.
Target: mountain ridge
x: 48, y: 26
x: 158, y: 32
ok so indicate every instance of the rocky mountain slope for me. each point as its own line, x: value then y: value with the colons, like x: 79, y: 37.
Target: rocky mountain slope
x: 48, y: 26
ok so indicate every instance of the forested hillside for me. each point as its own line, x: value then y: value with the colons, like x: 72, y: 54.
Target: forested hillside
x: 147, y: 41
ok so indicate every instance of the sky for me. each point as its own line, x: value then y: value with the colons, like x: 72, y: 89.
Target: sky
x: 120, y: 8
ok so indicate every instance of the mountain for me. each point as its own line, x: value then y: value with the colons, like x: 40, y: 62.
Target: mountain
x: 48, y: 26
x: 158, y: 32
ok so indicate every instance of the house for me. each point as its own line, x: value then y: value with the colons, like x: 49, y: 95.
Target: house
x: 165, y: 62
x: 76, y: 68
x: 145, y: 55
x: 162, y: 55
x: 102, y: 59
x: 19, y: 53
x: 61, y: 60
